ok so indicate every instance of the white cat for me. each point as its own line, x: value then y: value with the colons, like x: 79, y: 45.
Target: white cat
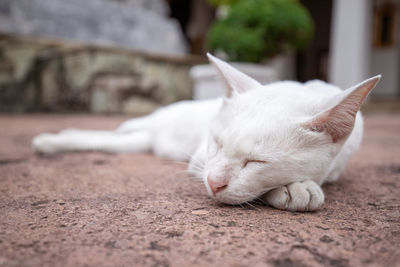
x: 277, y: 142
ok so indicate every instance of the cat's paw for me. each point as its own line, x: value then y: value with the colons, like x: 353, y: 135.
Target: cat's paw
x: 297, y: 196
x: 44, y: 143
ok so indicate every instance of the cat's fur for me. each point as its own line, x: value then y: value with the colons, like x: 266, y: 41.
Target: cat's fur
x: 277, y: 142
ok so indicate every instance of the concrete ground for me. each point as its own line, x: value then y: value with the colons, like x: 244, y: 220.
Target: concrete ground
x: 95, y: 209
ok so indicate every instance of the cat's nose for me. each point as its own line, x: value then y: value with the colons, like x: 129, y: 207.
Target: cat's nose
x: 216, y: 186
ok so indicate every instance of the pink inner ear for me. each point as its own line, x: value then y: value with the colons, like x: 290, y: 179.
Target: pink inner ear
x: 336, y: 126
x: 338, y: 121
x: 234, y: 80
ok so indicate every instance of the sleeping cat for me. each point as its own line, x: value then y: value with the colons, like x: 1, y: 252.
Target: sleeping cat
x: 276, y: 142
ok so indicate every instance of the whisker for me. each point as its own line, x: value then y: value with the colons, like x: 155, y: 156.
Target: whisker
x: 190, y: 176
x: 183, y: 176
x: 187, y: 182
x: 176, y: 162
x: 197, y: 168
x: 251, y: 205
x: 261, y: 200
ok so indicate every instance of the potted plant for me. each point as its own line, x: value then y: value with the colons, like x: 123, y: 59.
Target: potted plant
x: 260, y: 33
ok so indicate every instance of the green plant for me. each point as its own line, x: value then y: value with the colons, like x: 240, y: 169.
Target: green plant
x: 257, y: 29
x: 221, y: 2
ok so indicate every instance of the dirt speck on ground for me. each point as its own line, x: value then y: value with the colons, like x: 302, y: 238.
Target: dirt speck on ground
x: 96, y: 209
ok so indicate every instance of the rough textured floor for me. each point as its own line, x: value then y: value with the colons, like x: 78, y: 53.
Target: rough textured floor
x: 82, y: 209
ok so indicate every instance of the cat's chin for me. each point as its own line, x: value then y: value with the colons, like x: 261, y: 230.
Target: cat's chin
x: 232, y: 200
x: 229, y: 198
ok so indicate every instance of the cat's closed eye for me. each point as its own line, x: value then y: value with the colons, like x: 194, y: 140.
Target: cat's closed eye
x: 247, y: 161
x: 218, y: 142
x: 214, y: 145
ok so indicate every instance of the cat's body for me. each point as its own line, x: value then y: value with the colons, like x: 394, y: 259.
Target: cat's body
x: 277, y: 142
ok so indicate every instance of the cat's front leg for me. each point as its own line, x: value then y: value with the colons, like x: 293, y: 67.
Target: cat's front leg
x: 45, y: 143
x: 297, y: 196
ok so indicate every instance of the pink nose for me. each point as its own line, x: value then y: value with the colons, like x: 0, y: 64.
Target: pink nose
x: 217, y: 186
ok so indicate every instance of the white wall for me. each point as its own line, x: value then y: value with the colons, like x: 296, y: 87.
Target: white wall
x: 386, y: 61
x: 350, y: 42
x: 352, y: 58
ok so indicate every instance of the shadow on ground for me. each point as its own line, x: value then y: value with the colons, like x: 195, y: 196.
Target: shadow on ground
x: 120, y: 210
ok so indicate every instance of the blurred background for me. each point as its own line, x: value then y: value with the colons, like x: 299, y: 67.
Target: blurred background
x: 132, y: 56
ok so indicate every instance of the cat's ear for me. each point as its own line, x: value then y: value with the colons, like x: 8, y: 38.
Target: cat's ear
x: 235, y: 81
x: 338, y: 121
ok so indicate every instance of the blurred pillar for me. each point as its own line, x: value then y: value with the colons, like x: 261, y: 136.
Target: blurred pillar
x: 350, y: 42
x: 202, y: 16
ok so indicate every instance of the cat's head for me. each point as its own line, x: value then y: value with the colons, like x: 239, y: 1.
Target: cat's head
x: 269, y: 136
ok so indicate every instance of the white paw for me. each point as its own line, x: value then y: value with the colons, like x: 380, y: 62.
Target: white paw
x: 297, y: 196
x: 45, y: 143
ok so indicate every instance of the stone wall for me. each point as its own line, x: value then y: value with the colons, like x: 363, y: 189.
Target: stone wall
x: 38, y: 75
x: 140, y: 24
